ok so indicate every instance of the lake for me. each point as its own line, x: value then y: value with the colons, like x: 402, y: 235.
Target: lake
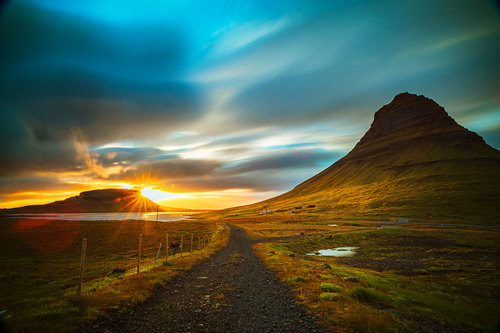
x: 144, y: 216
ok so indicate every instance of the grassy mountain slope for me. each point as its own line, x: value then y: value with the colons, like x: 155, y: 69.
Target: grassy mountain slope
x: 414, y: 161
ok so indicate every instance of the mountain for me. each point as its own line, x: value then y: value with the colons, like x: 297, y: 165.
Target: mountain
x: 414, y: 161
x: 97, y: 201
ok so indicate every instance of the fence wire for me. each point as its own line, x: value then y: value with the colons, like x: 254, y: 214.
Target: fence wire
x: 127, y: 262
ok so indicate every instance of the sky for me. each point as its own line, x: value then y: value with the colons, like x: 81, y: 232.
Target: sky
x: 212, y: 104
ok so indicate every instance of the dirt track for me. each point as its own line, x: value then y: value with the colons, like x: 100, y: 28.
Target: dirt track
x: 232, y: 291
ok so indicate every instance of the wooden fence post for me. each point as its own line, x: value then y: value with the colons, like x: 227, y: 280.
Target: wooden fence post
x: 166, y: 246
x: 157, y: 254
x: 191, y: 242
x: 82, y: 264
x: 182, y: 243
x: 139, y: 254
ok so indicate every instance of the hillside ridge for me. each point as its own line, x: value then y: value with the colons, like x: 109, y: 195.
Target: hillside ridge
x: 98, y: 201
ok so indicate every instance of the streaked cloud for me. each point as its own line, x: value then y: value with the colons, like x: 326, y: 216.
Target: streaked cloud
x: 225, y: 102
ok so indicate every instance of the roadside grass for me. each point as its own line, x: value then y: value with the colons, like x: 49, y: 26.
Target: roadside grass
x: 39, y: 267
x: 435, y: 278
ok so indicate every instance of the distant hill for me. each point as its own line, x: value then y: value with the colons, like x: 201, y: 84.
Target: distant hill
x: 414, y: 161
x: 98, y: 201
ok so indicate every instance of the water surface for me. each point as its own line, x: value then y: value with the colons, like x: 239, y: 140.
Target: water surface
x: 336, y: 252
x: 143, y: 216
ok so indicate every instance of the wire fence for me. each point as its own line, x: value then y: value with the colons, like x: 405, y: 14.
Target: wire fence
x: 95, y: 270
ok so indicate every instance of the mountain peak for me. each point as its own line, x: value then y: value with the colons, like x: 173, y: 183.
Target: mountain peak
x: 410, y: 112
x: 415, y: 160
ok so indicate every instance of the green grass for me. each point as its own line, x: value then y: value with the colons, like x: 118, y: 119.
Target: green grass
x: 371, y: 296
x: 329, y: 296
x: 330, y: 287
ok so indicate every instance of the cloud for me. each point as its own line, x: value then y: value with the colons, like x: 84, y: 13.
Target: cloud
x: 166, y: 169
x: 64, y: 73
x: 238, y: 36
x: 292, y: 159
x: 33, y: 183
x: 325, y: 65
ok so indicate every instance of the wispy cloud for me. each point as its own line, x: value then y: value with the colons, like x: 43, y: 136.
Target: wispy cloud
x: 223, y: 99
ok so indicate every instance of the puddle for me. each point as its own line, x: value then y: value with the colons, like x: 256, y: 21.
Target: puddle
x: 332, y: 225
x: 336, y: 252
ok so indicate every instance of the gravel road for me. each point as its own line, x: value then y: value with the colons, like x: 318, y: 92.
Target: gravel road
x: 232, y: 291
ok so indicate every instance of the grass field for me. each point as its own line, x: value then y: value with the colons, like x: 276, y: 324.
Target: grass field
x: 40, y: 260
x: 411, y: 278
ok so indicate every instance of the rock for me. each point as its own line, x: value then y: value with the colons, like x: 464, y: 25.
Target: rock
x: 326, y: 266
x: 352, y: 279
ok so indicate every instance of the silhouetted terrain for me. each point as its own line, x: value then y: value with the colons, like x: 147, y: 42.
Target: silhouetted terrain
x: 97, y: 201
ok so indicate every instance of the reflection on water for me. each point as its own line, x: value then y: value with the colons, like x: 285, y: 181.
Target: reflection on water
x: 332, y: 225
x: 145, y: 216
x: 336, y: 252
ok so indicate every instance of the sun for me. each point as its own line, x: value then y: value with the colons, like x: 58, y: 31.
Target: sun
x: 158, y: 195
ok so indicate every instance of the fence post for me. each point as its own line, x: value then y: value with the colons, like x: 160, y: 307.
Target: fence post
x: 182, y: 243
x: 191, y: 242
x: 139, y: 254
x: 157, y: 254
x: 166, y: 246
x: 82, y: 264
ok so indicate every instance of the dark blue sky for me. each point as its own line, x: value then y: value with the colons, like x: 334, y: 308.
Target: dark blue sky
x: 229, y: 101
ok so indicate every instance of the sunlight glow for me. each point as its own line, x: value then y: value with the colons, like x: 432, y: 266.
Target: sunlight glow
x: 159, y: 195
